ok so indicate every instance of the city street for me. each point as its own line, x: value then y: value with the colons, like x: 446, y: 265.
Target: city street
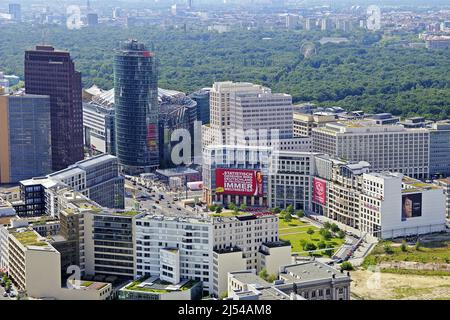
x: 150, y: 198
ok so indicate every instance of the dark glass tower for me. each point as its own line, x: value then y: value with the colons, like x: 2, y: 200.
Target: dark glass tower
x: 52, y: 72
x: 136, y: 103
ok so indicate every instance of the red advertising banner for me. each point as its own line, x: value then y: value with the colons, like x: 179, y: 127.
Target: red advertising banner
x: 319, y: 191
x: 239, y: 182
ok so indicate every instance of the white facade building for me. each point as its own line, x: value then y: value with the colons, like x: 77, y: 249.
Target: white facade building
x: 386, y: 147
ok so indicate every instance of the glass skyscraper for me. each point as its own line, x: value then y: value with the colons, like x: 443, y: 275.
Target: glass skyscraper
x: 52, y: 72
x: 25, y: 145
x: 136, y: 103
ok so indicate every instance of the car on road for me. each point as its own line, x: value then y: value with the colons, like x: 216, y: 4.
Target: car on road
x: 175, y: 199
x: 5, y: 294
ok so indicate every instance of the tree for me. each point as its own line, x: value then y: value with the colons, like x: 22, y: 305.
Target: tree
x: 404, y: 246
x: 329, y: 252
x: 300, y: 213
x: 334, y: 227
x: 223, y: 295
x: 8, y: 285
x: 388, y: 248
x: 287, y: 217
x: 290, y: 209
x: 321, y: 245
x: 310, y: 231
x: 212, y: 207
x: 276, y: 210
x: 347, y: 266
x: 325, y: 233
x: 327, y: 225
x: 219, y: 209
x: 309, y: 246
x: 271, y: 278
x: 233, y: 207
x: 263, y: 274
x: 418, y: 245
x: 341, y: 234
x: 243, y: 207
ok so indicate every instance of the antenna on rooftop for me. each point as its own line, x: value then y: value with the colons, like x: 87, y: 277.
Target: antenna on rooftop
x: 44, y: 34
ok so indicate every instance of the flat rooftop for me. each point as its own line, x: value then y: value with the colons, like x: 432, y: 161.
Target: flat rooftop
x: 158, y: 286
x: 310, y: 271
x: 248, y: 277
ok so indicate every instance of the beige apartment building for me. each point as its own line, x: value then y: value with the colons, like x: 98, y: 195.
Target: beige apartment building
x: 35, y: 269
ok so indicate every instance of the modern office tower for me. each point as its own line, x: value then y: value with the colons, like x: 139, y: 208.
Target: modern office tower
x: 136, y: 102
x: 97, y: 178
x: 386, y: 148
x: 203, y: 106
x: 25, y: 137
x: 304, y: 123
x: 52, y: 72
x: 440, y: 149
x: 290, y: 179
x: 98, y: 123
x: 259, y: 118
x: 92, y: 19
x: 15, y: 10
x: 220, y: 97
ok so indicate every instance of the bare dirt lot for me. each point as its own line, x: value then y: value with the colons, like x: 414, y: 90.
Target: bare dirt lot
x: 386, y: 286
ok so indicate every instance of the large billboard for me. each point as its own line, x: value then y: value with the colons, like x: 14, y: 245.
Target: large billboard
x: 411, y: 205
x: 319, y: 191
x: 239, y: 182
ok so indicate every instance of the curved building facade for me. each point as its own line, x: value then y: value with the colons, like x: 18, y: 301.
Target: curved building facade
x: 136, y: 102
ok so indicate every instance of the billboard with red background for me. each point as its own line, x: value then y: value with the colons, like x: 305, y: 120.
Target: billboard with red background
x: 239, y: 182
x: 319, y: 191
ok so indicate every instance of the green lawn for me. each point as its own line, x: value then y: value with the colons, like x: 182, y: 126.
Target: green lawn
x: 432, y: 252
x: 295, y: 231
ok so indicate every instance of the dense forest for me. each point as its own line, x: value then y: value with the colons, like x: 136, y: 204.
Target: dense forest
x: 367, y: 73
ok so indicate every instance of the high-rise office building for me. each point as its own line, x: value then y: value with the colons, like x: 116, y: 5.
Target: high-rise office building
x: 440, y: 149
x: 25, y: 148
x: 15, y: 10
x: 136, y: 100
x: 52, y: 72
x: 92, y: 19
x: 202, y: 99
x: 220, y: 97
x: 385, y: 147
x: 258, y: 116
